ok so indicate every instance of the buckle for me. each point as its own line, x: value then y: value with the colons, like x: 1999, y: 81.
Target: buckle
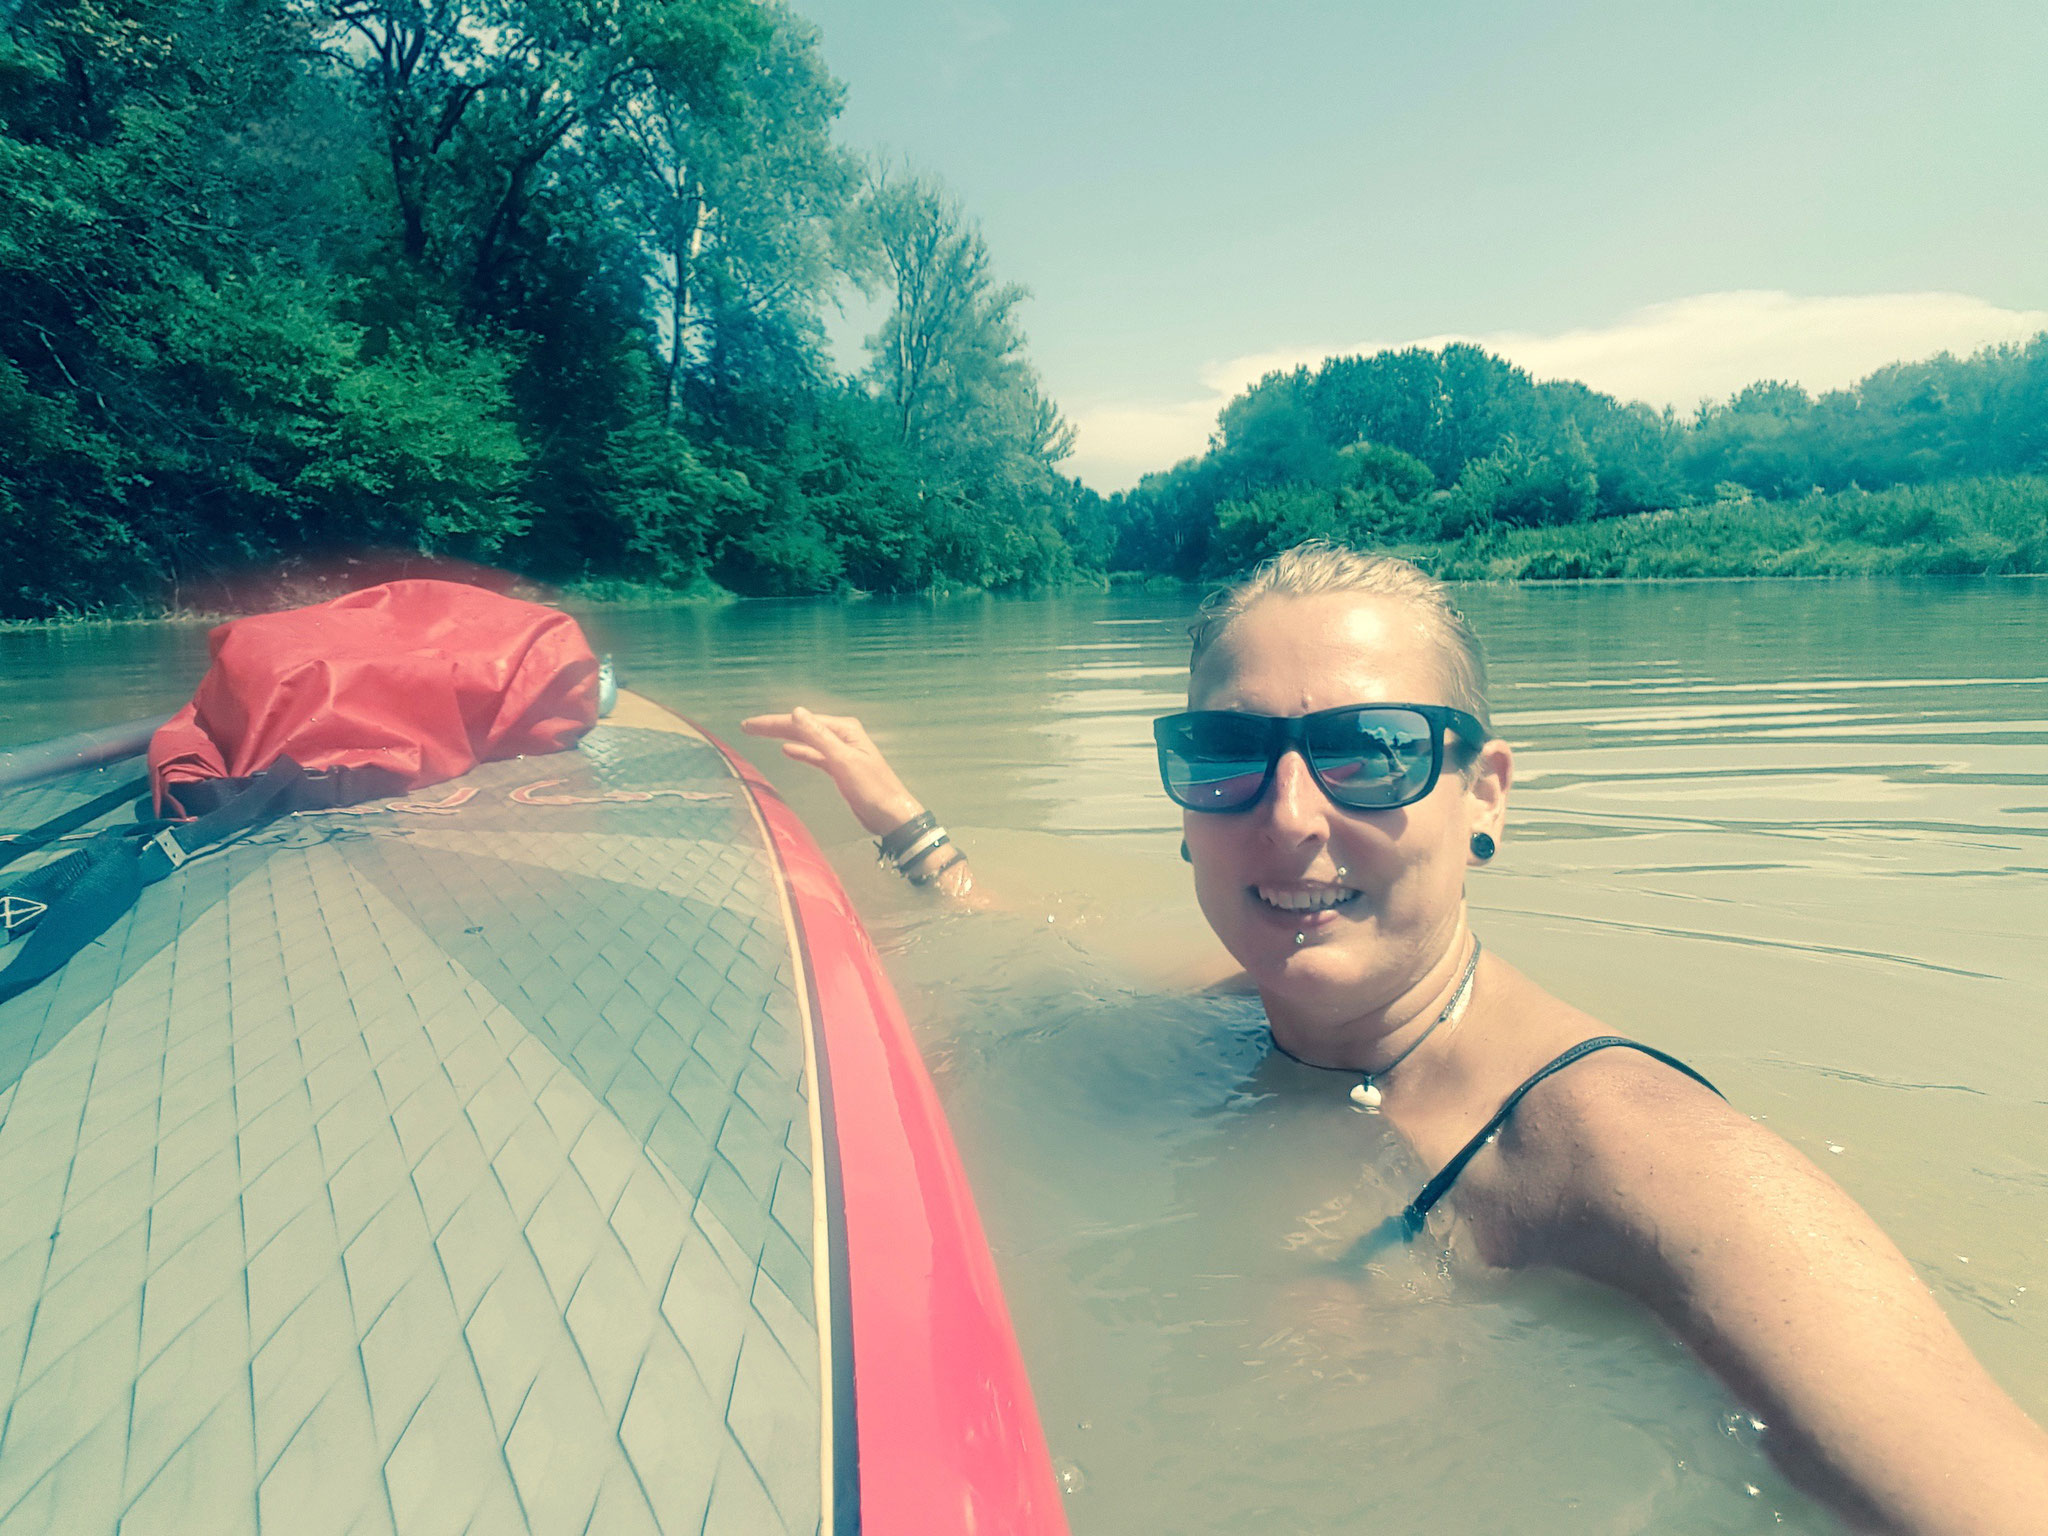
x: 168, y: 846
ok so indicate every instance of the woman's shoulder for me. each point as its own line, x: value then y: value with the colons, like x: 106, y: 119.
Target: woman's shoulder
x: 1622, y: 1145
x: 1601, y: 1126
x: 1592, y: 1088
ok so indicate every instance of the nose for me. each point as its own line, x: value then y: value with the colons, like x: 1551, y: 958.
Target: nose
x: 1295, y: 807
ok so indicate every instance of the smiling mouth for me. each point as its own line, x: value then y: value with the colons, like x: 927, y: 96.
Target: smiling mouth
x: 1320, y: 898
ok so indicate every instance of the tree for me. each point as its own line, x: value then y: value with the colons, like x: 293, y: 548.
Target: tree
x: 948, y: 362
x: 475, y: 98
x: 538, y: 280
x: 187, y: 389
x: 1759, y: 439
x: 1522, y: 486
x: 1379, y: 495
x: 743, y: 208
x: 950, y: 349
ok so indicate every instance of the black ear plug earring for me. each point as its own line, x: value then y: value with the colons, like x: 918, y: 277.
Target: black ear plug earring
x: 1482, y: 846
x: 1185, y: 856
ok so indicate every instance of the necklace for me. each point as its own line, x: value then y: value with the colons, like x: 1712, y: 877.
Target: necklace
x: 1367, y: 1094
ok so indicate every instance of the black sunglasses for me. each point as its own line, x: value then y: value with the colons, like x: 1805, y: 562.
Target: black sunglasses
x: 1365, y: 757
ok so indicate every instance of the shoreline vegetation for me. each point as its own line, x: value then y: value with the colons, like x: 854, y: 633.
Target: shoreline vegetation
x: 293, y: 288
x: 1972, y: 529
x: 1992, y: 527
x: 1995, y: 526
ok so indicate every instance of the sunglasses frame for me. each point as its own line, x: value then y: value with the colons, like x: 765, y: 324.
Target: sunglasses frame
x: 1285, y: 733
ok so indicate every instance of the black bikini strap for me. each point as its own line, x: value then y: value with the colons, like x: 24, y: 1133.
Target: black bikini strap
x: 1412, y: 1217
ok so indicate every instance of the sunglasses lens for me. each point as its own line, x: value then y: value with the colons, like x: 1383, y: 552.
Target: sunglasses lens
x: 1213, y: 762
x: 1372, y: 758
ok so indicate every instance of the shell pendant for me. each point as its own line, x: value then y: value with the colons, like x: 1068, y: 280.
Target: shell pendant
x: 1367, y: 1097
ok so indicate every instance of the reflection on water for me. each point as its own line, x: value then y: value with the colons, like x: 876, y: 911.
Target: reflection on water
x: 1794, y: 832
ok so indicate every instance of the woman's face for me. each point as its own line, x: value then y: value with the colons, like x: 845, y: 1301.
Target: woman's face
x: 1388, y: 886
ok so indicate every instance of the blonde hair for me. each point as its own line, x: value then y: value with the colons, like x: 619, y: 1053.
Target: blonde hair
x: 1319, y: 566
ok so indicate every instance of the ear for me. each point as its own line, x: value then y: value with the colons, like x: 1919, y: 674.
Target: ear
x: 1486, y: 790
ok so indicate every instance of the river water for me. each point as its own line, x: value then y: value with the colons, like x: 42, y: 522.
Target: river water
x: 1795, y: 832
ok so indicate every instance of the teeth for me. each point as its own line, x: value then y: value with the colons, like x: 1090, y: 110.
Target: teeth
x: 1297, y: 900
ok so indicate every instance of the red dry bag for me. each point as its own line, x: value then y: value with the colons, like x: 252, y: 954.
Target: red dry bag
x: 381, y: 692
x: 377, y: 693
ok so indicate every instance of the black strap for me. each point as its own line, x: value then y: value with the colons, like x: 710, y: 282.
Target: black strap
x: 82, y: 895
x: 1417, y: 1210
x: 314, y: 790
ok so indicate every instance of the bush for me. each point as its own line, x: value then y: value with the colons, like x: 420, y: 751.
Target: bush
x: 1517, y: 486
x: 1986, y: 526
x: 1381, y: 495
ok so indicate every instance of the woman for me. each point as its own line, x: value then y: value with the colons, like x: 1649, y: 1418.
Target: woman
x: 1338, y: 777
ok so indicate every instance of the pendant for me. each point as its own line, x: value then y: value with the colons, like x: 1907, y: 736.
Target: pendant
x: 1366, y: 1096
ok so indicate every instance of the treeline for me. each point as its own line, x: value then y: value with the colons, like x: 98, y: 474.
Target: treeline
x: 1457, y: 446
x: 533, y: 282
x: 542, y: 283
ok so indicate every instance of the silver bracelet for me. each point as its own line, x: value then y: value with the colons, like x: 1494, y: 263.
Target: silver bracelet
x: 925, y: 843
x: 892, y: 843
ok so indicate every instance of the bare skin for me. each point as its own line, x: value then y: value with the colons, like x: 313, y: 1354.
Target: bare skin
x: 840, y: 747
x: 1618, y: 1169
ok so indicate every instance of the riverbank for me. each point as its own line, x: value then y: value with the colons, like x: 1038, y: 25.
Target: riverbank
x: 1994, y: 526
x: 1991, y: 526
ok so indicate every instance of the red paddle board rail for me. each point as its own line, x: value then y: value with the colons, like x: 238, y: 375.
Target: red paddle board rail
x: 949, y: 1439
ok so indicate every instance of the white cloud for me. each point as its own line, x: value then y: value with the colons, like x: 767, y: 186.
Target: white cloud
x: 1677, y: 353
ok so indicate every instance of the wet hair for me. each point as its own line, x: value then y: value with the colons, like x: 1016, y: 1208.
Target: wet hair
x: 1319, y: 566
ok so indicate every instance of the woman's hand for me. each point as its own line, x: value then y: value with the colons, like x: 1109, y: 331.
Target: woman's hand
x: 839, y: 745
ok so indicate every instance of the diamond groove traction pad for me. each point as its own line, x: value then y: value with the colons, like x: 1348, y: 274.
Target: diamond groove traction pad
x: 431, y: 1169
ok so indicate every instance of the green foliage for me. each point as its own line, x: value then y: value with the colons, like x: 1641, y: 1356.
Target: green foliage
x: 1518, y: 454
x: 949, y: 358
x: 1517, y: 486
x: 1272, y: 520
x: 541, y: 282
x: 1395, y: 480
x: 670, y: 508
x: 859, y: 484
x: 948, y: 364
x: 1378, y: 495
x: 1984, y: 526
x: 536, y: 281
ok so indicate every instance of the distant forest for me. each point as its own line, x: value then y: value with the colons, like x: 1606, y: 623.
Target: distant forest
x: 1493, y: 474
x: 543, y: 284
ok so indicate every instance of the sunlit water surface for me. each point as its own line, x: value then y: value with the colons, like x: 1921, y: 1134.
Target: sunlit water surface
x: 1795, y: 832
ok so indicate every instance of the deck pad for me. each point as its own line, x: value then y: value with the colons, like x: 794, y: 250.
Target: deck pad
x: 441, y: 1168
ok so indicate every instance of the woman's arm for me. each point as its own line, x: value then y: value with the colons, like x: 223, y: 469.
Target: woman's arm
x: 840, y: 747
x: 1781, y: 1284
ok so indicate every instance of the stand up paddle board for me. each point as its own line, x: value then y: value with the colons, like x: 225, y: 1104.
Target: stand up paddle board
x: 543, y: 1152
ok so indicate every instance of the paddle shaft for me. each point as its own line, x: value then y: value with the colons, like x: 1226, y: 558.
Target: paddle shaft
x: 85, y: 749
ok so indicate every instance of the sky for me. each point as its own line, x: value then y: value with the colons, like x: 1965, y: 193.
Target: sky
x: 1666, y: 201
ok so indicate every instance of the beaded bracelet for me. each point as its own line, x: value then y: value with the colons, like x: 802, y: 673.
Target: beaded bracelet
x: 930, y: 875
